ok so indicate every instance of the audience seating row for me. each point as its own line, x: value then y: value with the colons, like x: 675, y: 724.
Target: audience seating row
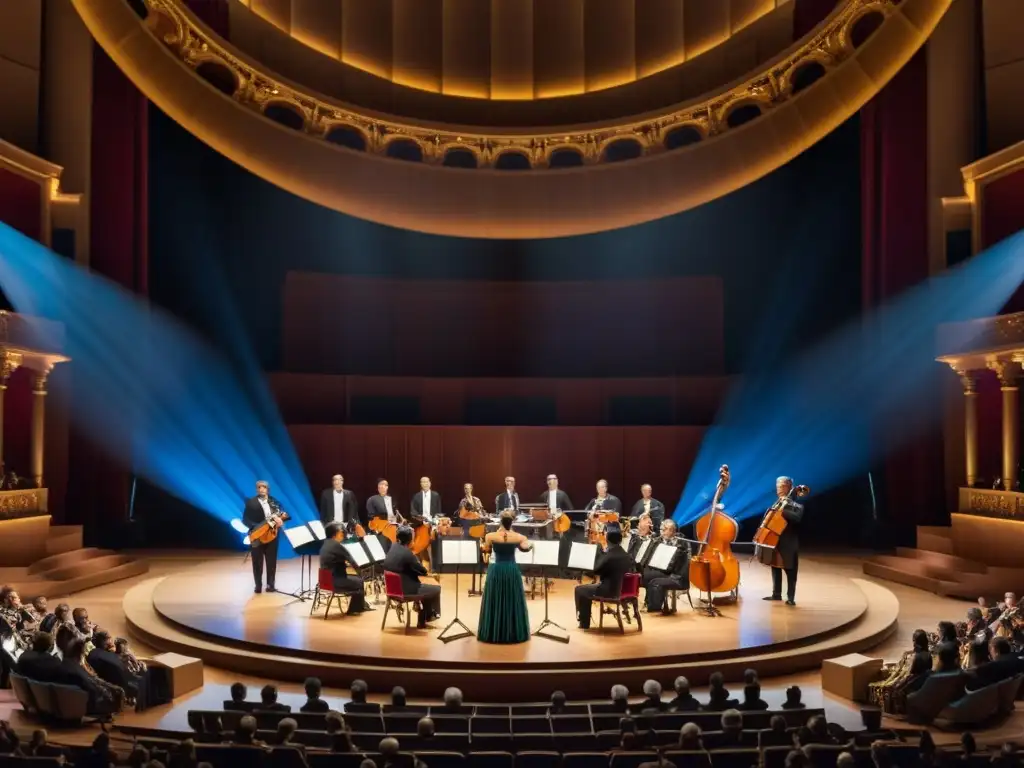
x: 61, y: 703
x: 943, y: 697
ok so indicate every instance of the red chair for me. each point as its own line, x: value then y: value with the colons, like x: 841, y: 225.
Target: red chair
x: 629, y: 595
x: 325, y: 586
x: 397, y: 599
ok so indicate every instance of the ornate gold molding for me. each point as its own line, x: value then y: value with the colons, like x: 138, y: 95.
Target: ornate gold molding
x: 990, y: 503
x: 23, y: 503
x: 258, y: 88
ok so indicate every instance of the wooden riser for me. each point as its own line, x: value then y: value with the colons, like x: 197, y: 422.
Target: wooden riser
x: 58, y: 589
x: 64, y: 538
x: 935, y: 539
x: 66, y: 559
x: 942, y: 560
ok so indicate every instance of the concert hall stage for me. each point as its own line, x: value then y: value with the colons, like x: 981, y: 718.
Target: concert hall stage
x: 210, y: 611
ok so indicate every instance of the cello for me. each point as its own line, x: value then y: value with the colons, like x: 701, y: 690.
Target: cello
x: 766, y: 539
x: 714, y: 568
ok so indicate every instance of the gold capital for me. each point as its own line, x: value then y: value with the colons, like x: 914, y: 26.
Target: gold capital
x: 968, y: 378
x: 1007, y: 371
x: 39, y: 382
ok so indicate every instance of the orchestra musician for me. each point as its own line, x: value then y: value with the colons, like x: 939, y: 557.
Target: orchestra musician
x: 604, y: 501
x: 402, y: 561
x: 788, y: 548
x: 554, y: 497
x: 427, y: 503
x: 259, y: 509
x: 611, y: 566
x: 644, y: 530
x: 474, y: 502
x: 1010, y: 623
x: 335, y: 558
x: 657, y: 581
x: 508, y: 499
x: 382, y: 506
x: 648, y: 505
x: 339, y: 505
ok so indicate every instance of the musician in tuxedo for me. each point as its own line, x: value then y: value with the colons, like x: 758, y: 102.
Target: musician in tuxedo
x: 427, y: 503
x: 554, y: 497
x: 382, y: 506
x: 650, y: 505
x: 402, y: 561
x: 263, y: 508
x: 507, y: 499
x: 604, y: 501
x: 611, y: 565
x: 339, y: 505
x: 656, y: 581
x: 334, y: 558
x: 788, y: 548
x: 643, y: 531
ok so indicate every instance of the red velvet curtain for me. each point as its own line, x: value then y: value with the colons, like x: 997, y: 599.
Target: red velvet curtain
x: 894, y: 215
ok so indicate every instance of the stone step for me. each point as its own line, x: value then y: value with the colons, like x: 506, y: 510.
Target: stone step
x: 943, y: 560
x: 915, y: 567
x: 64, y: 538
x: 82, y: 580
x: 65, y: 559
x: 935, y: 539
x: 893, y: 573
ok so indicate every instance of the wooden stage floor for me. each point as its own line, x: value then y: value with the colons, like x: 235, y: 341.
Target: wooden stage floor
x: 210, y: 611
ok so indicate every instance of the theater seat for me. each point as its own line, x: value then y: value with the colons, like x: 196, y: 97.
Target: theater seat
x: 23, y: 692
x: 939, y: 690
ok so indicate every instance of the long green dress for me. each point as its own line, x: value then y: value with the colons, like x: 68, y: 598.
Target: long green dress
x: 503, y: 614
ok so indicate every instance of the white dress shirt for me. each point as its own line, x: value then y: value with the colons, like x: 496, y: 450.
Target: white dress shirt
x: 647, y: 506
x: 552, y: 500
x: 426, y: 503
x: 267, y: 514
x: 390, y: 509
x: 339, y: 506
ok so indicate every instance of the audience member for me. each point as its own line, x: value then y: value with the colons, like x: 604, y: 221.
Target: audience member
x: 793, y: 698
x: 752, y: 700
x: 99, y: 755
x: 102, y: 699
x: 880, y: 755
x: 9, y: 742
x: 453, y: 701
x: 390, y: 750
x: 557, y: 705
x: 286, y: 728
x: 689, y: 737
x: 131, y: 662
x: 797, y: 759
x: 341, y: 736
x: 38, y: 663
x: 138, y: 757
x: 110, y: 667
x: 245, y: 733
x: 1004, y: 665
x: 845, y: 760
x: 732, y: 730
x: 652, y: 702
x: 425, y: 729
x: 968, y: 746
x: 816, y: 732
x: 620, y: 698
x: 927, y: 752
x: 661, y: 762
x: 397, y: 699
x: 684, y: 700
x: 357, y: 692
x: 628, y: 742
x: 80, y: 617
x: 314, y: 703
x: 948, y: 658
x: 269, y: 702
x: 238, y: 702
x: 777, y: 734
x: 183, y: 755
x: 718, y: 695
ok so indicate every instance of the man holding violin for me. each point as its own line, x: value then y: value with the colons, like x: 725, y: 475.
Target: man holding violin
x: 259, y: 510
x: 787, y: 551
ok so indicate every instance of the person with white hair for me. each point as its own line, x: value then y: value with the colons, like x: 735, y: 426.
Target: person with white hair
x: 653, y: 702
x: 452, y: 700
x: 620, y: 698
x: 788, y: 548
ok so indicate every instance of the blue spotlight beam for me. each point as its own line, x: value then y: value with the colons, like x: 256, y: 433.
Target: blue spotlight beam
x: 153, y: 394
x: 817, y: 417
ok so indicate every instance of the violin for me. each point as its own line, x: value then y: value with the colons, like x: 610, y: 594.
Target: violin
x: 714, y: 568
x: 264, y: 533
x: 468, y: 510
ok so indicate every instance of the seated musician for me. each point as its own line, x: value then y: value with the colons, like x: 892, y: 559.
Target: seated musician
x: 611, y: 566
x: 335, y: 558
x: 469, y: 508
x: 656, y: 581
x: 1004, y: 665
x: 643, y: 531
x: 648, y: 506
x: 1011, y: 621
x: 402, y: 561
x: 604, y: 501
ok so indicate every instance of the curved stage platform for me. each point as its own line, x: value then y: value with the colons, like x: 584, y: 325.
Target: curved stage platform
x: 210, y: 611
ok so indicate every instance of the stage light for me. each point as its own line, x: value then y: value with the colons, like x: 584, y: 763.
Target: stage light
x: 245, y: 541
x: 156, y: 396
x: 824, y: 416
x: 239, y: 526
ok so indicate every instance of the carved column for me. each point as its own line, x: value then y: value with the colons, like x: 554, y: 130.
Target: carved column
x: 38, y: 425
x: 9, y: 362
x: 969, y: 381
x: 1008, y: 374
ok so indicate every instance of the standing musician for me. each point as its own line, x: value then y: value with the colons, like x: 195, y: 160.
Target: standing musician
x: 648, y: 505
x: 338, y: 505
x: 604, y: 501
x: 554, y: 497
x: 611, y: 566
x: 402, y: 561
x: 657, y: 581
x: 788, y: 548
x: 382, y: 506
x: 263, y: 508
x: 426, y: 504
x: 507, y: 499
x: 474, y: 502
x: 335, y: 558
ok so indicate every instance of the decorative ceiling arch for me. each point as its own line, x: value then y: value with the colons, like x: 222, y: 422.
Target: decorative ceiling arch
x: 489, y: 203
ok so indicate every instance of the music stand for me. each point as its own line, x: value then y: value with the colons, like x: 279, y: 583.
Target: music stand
x: 544, y: 554
x: 458, y: 552
x: 306, y: 544
x: 377, y: 554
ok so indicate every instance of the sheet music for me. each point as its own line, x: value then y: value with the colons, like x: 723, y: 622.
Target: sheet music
x: 662, y: 556
x: 374, y: 547
x: 460, y: 552
x: 542, y: 553
x: 298, y: 536
x: 318, y: 529
x: 358, y: 553
x: 582, y: 556
x: 644, y: 546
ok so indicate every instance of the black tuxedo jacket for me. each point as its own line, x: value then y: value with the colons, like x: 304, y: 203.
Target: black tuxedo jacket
x: 504, y: 501
x: 611, y: 504
x: 995, y: 671
x: 349, y: 506
x: 789, y: 540
x: 334, y: 557
x: 41, y: 667
x: 562, y: 501
x: 110, y: 667
x: 657, y: 512
x: 72, y: 673
x: 416, y: 505
x: 402, y: 561
x: 253, y: 516
x: 375, y: 507
x: 611, y: 566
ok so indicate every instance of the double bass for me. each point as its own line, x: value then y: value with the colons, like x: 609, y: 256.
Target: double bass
x: 767, y: 537
x: 714, y: 568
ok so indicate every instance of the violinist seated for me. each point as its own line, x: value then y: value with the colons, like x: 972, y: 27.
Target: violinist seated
x: 657, y: 582
x: 1004, y: 665
x: 335, y: 558
x: 604, y: 501
x: 611, y: 566
x: 402, y: 561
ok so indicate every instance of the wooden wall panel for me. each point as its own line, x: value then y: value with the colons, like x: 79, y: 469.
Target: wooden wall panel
x: 559, y: 65
x: 417, y: 43
x: 366, y: 38
x: 319, y: 26
x: 466, y: 54
x: 659, y: 35
x: 610, y: 43
x: 511, y: 49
